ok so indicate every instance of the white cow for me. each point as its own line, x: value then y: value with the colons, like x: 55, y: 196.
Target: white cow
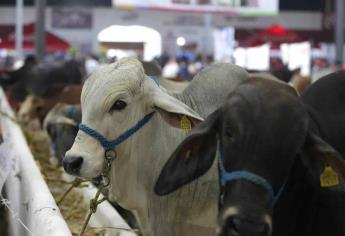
x: 113, y: 100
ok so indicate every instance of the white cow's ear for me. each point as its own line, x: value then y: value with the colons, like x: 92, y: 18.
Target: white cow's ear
x: 175, y: 112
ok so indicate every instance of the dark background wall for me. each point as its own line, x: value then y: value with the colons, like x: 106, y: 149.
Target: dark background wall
x: 61, y: 2
x: 285, y: 5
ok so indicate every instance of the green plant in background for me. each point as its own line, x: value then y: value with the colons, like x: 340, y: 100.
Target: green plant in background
x: 102, y: 54
x: 73, y: 52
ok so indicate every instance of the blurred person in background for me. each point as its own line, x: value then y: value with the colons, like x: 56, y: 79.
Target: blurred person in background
x: 321, y: 67
x: 171, y: 69
x: 183, y: 72
x: 8, y: 63
x: 91, y: 64
x: 163, y: 59
x: 197, y: 65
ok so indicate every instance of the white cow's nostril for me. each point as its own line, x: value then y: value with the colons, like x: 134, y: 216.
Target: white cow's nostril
x: 72, y: 165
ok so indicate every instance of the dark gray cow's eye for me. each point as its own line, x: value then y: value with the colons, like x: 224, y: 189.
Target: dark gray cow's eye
x: 118, y: 105
x: 229, y: 132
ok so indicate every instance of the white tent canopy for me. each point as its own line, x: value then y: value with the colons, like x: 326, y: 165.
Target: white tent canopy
x: 134, y: 34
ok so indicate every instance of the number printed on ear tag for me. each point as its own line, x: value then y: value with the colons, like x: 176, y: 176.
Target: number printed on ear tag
x: 329, y: 177
x: 185, y: 123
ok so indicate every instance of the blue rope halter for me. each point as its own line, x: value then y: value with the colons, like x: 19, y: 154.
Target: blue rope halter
x: 249, y: 176
x: 111, y: 144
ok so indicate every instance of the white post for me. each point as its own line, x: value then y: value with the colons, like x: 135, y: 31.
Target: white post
x: 40, y: 40
x: 207, y: 44
x: 19, y: 29
x: 32, y: 201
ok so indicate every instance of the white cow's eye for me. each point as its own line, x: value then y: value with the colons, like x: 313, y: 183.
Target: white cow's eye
x: 118, y: 105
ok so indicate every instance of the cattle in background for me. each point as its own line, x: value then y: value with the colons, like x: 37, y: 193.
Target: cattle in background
x: 292, y: 77
x: 326, y: 102
x: 61, y: 124
x: 284, y: 73
x: 42, y: 79
x: 278, y: 174
x: 300, y: 82
x: 8, y: 78
x: 325, y: 99
x: 113, y: 100
x: 37, y: 107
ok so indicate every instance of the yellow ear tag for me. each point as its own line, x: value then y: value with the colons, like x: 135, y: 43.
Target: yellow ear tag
x: 185, y: 123
x: 329, y: 177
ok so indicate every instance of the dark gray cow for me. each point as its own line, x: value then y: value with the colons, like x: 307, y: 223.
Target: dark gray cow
x: 43, y: 78
x: 61, y: 124
x: 271, y: 166
x: 326, y: 101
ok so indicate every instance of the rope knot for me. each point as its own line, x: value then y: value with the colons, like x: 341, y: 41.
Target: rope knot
x: 77, y: 181
x: 93, y: 205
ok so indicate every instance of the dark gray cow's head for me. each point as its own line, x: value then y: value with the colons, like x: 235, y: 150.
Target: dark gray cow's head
x: 61, y: 124
x: 259, y: 131
x: 62, y: 137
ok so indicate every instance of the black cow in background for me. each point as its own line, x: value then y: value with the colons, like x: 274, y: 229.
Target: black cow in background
x: 41, y: 79
x: 278, y: 174
x: 9, y: 78
x: 283, y: 73
x: 326, y: 102
x: 38, y: 79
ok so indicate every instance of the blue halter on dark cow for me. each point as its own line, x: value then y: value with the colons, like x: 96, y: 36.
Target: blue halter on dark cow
x: 228, y: 176
x: 255, y: 165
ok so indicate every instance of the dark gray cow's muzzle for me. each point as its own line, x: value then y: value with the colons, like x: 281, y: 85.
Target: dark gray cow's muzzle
x: 236, y: 226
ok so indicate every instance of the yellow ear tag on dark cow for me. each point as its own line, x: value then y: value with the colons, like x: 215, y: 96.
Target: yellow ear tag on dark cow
x: 329, y: 178
x: 185, y: 123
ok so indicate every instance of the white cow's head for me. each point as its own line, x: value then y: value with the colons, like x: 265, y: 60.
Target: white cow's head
x: 113, y: 100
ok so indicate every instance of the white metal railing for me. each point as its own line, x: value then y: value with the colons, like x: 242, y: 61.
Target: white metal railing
x: 26, y: 190
x: 30, y: 198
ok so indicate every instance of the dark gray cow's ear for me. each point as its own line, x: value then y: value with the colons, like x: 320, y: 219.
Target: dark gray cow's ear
x: 152, y: 68
x: 325, y: 165
x: 192, y: 158
x: 51, y: 130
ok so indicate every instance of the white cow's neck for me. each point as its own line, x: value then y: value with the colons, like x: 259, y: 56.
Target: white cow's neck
x: 140, y: 160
